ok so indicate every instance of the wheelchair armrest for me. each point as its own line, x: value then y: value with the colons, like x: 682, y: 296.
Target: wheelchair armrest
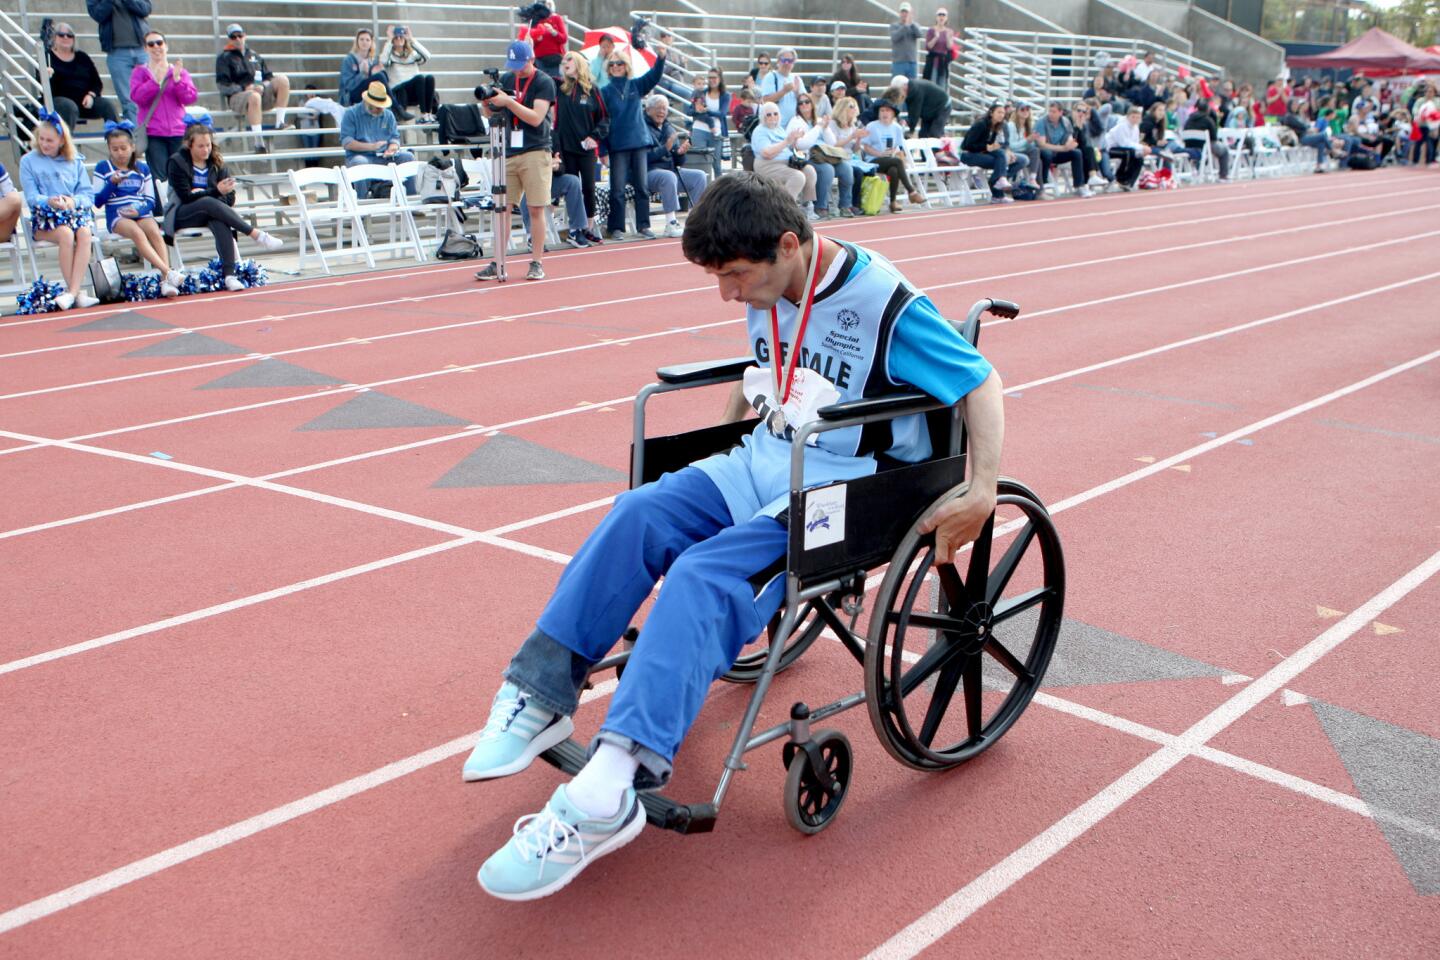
x: 715, y: 370
x: 895, y: 405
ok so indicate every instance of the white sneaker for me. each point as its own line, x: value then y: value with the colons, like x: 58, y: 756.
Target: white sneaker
x: 175, y: 278
x: 1096, y: 180
x: 269, y: 242
x: 233, y: 283
x: 83, y: 300
x: 168, y: 289
x: 1003, y: 184
x: 1085, y: 192
x: 65, y: 301
x: 673, y: 229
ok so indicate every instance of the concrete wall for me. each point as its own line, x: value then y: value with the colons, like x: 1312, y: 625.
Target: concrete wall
x: 1070, y: 14
x: 1109, y: 20
x: 1168, y: 14
x: 1004, y: 15
x: 1244, y: 56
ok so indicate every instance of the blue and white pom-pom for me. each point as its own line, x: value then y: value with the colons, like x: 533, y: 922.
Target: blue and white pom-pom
x: 251, y: 273
x: 248, y: 272
x: 46, y: 217
x: 137, y: 287
x: 40, y: 298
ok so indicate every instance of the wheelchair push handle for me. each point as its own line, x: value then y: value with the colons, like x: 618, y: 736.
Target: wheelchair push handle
x: 1000, y: 308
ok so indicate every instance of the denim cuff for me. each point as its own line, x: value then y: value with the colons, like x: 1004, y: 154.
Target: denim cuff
x: 654, y: 770
x: 549, y: 672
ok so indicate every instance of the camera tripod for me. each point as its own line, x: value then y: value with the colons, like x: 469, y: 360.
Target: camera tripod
x: 500, y: 209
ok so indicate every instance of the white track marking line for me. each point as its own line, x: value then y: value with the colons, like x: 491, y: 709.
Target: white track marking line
x: 225, y: 836
x: 390, y: 275
x: 988, y: 249
x: 1275, y: 678
x: 455, y: 369
x: 960, y: 905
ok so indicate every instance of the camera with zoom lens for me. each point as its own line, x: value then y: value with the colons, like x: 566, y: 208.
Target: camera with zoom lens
x: 533, y: 13
x: 488, y: 91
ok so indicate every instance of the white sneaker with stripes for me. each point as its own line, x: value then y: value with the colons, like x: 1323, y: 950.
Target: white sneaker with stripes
x: 550, y: 848
x: 517, y: 732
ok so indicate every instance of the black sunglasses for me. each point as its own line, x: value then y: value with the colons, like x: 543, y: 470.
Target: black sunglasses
x: 236, y: 36
x: 67, y: 35
x: 154, y: 43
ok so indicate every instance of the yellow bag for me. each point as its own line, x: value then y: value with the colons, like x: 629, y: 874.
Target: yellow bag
x: 874, y: 192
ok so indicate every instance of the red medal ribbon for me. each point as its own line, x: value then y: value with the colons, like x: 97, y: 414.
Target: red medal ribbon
x: 782, y: 390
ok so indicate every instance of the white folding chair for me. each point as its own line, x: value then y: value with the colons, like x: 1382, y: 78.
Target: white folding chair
x: 924, y: 172
x: 333, y: 208
x: 401, y: 233
x: 1205, y: 171
x: 13, y: 248
x: 1242, y: 160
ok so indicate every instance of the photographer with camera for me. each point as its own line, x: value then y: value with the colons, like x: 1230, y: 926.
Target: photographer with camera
x: 522, y: 101
x: 547, y: 35
x: 629, y: 139
x: 668, y: 174
x: 402, y: 57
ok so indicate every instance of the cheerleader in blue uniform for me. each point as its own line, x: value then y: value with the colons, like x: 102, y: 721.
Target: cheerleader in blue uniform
x: 125, y: 190
x: 62, y: 206
x: 10, y: 205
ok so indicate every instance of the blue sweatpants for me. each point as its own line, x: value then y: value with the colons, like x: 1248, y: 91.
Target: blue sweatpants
x: 723, y: 583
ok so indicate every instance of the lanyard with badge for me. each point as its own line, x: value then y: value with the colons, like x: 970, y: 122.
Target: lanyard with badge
x: 517, y: 134
x: 798, y: 394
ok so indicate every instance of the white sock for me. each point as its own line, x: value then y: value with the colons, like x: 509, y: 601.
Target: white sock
x: 600, y: 786
x: 255, y: 127
x: 279, y: 116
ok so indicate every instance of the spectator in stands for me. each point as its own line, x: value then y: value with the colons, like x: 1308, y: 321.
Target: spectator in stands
x: 1154, y: 91
x: 122, y: 34
x: 818, y: 99
x: 710, y: 118
x: 666, y: 172
x: 248, y: 85
x: 941, y: 44
x: 403, y: 56
x: 676, y: 77
x: 162, y: 89
x: 523, y: 108
x: 782, y: 86
x: 1241, y: 114
x: 845, y: 74
x: 987, y: 145
x: 75, y: 84
x: 566, y: 187
x: 124, y: 189
x: 903, y: 35
x: 629, y: 139
x: 1367, y: 98
x: 598, y: 70
x: 368, y: 131
x: 1398, y: 126
x: 204, y: 193
x: 1123, y: 143
x: 61, y: 204
x: 11, y: 206
x: 812, y: 129
x: 549, y: 38
x: 1153, y: 131
x: 761, y: 68
x: 360, y: 68
x: 927, y: 105
x: 581, y: 124
x: 1089, y: 133
x: 1425, y: 115
x: 1277, y: 95
x: 847, y: 131
x: 1145, y: 67
x: 743, y: 108
x: 1023, y: 138
x: 1059, y: 145
x: 1204, y: 119
x: 774, y: 148
x: 884, y: 144
x: 863, y: 99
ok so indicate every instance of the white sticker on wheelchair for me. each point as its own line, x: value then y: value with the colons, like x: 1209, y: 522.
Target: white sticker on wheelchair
x: 824, y: 516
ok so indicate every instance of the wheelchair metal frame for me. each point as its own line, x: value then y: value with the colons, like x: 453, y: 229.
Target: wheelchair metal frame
x: 800, y: 595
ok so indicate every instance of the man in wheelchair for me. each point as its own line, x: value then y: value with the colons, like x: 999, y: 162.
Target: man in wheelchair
x: 849, y: 326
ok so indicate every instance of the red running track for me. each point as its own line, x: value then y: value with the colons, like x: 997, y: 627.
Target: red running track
x: 239, y: 681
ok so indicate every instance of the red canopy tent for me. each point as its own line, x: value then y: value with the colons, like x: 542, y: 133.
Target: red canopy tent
x: 1372, y: 52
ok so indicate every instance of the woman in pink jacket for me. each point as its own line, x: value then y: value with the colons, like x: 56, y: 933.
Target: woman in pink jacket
x: 161, y: 89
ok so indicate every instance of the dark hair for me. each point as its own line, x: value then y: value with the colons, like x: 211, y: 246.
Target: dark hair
x: 741, y: 217
x: 116, y: 134
x: 196, y: 130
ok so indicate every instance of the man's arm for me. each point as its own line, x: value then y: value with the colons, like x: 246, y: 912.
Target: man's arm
x: 959, y: 521
x: 736, y: 406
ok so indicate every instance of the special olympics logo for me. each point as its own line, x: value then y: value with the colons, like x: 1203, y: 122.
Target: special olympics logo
x: 848, y: 319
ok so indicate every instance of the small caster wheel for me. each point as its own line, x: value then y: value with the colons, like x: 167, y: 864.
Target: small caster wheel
x: 818, y: 777
x: 627, y: 643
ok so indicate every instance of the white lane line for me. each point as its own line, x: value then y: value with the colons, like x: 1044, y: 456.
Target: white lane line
x: 960, y: 905
x: 156, y: 863
x: 456, y: 369
x: 389, y: 276
x: 138, y: 870
x: 649, y: 296
x: 987, y: 249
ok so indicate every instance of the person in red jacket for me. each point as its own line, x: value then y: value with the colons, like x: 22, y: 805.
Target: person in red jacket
x: 549, y: 38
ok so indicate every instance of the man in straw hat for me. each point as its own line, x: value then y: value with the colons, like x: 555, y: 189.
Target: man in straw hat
x: 368, y: 131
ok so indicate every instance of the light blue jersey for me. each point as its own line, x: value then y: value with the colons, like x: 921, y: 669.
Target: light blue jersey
x: 870, y: 333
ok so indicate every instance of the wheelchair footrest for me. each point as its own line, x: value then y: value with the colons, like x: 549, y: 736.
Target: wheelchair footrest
x: 662, y: 812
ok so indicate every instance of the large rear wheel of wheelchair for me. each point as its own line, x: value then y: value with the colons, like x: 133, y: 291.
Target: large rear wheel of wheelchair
x: 748, y: 666
x: 990, y: 633
x: 816, y: 780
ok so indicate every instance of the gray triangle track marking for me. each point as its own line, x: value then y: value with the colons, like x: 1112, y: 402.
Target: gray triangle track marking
x: 128, y: 320
x: 1398, y: 770
x: 1086, y: 655
x: 189, y: 345
x: 377, y: 411
x: 505, y: 461
x: 271, y: 373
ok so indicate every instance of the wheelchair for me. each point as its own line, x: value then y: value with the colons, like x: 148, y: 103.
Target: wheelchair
x: 990, y: 632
